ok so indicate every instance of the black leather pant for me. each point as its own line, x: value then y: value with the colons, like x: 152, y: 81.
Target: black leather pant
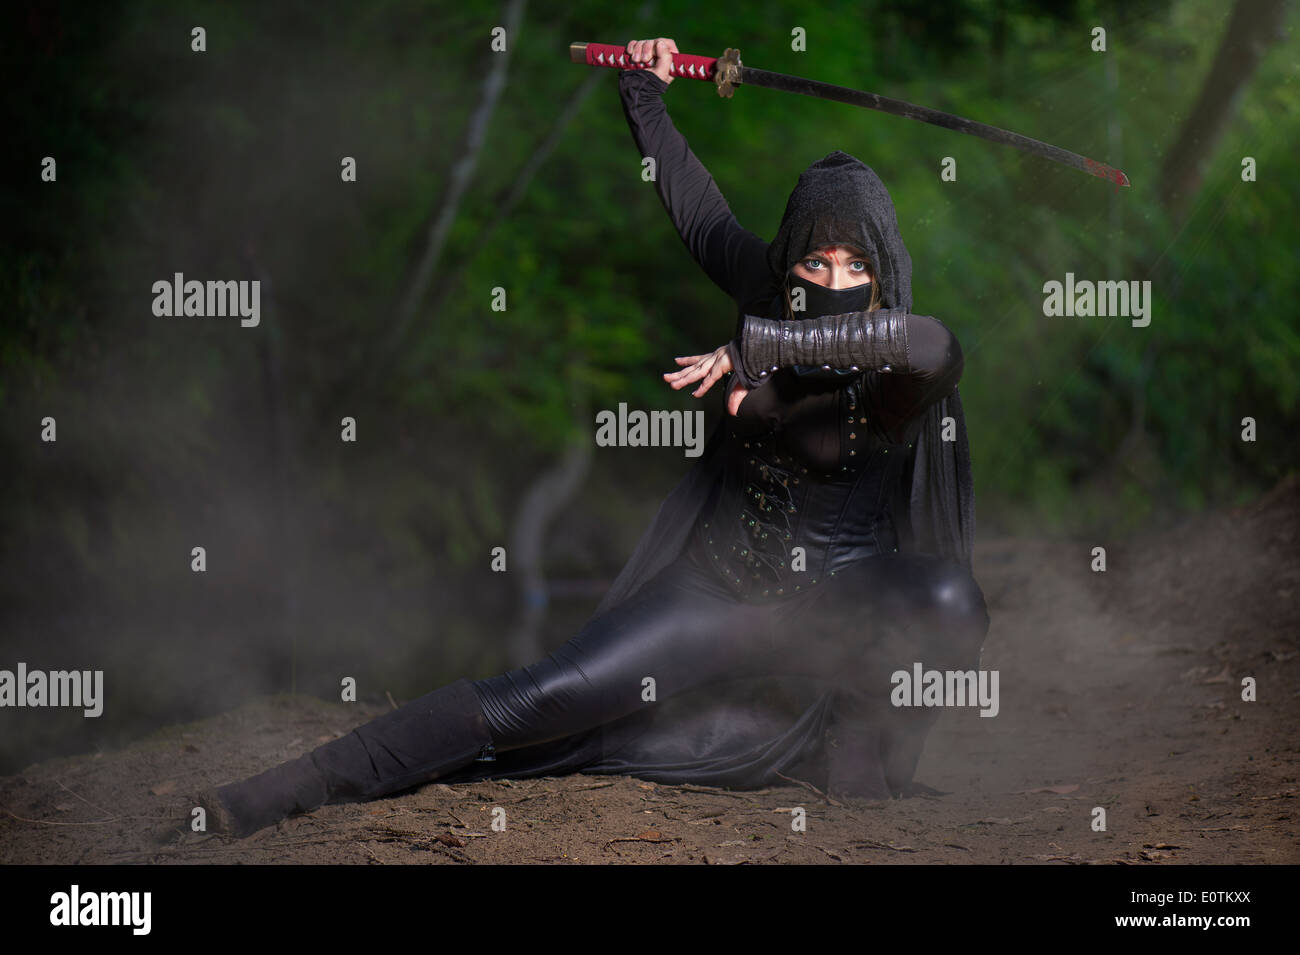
x: 684, y: 629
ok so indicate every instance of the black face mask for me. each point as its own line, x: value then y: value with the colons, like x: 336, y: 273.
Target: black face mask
x: 819, y: 300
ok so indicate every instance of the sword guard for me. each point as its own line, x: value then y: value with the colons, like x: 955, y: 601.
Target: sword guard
x: 727, y: 72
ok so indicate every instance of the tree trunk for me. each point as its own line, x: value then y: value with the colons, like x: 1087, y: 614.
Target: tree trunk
x: 547, y: 496
x: 1254, y: 26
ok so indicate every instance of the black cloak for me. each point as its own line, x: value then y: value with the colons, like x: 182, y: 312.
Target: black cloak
x: 749, y: 733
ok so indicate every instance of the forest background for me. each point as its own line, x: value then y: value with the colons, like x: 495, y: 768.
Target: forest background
x: 479, y: 169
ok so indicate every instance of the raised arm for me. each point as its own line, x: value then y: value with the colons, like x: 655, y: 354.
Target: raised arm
x: 732, y: 256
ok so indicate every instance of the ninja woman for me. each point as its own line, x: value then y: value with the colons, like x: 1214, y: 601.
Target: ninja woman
x: 820, y: 543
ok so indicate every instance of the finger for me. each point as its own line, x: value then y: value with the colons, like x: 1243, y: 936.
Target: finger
x: 709, y: 381
x: 664, y: 55
x: 691, y: 363
x: 689, y: 359
x: 681, y: 379
x: 710, y: 377
x: 687, y: 375
x: 703, y: 363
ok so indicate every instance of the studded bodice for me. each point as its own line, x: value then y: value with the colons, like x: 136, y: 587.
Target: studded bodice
x: 799, y: 499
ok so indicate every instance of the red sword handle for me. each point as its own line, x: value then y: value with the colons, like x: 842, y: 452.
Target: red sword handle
x: 609, y: 54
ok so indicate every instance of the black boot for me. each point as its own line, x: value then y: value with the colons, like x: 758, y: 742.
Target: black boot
x: 427, y: 738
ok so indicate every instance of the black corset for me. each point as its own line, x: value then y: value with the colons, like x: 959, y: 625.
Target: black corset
x: 768, y: 503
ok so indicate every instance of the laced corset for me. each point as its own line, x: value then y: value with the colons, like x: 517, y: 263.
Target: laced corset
x: 829, y: 487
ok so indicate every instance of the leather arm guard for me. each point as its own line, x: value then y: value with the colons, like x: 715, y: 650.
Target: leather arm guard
x: 854, y: 341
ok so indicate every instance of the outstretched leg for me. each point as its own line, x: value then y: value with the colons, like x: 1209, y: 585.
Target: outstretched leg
x: 435, y: 734
x: 682, y: 629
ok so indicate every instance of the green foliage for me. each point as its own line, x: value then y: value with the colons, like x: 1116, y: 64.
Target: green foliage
x: 218, y: 163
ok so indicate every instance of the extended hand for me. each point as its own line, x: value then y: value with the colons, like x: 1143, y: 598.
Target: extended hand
x: 711, y: 368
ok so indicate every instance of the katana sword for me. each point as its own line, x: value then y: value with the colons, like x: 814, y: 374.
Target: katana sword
x: 727, y: 72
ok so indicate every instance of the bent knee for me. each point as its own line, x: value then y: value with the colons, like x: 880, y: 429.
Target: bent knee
x: 946, y: 592
x: 953, y: 592
x: 936, y: 588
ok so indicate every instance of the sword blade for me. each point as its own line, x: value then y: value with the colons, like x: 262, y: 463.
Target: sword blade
x: 897, y: 107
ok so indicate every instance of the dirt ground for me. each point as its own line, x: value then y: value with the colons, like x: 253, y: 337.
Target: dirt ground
x: 1120, y: 690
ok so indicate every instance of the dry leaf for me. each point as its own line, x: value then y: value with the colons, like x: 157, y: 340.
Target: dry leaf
x: 164, y: 788
x: 447, y: 839
x: 650, y: 835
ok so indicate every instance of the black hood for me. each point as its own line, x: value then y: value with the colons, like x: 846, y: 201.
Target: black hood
x: 839, y: 200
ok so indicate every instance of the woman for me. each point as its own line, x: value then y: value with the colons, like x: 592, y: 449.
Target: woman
x: 821, y: 542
